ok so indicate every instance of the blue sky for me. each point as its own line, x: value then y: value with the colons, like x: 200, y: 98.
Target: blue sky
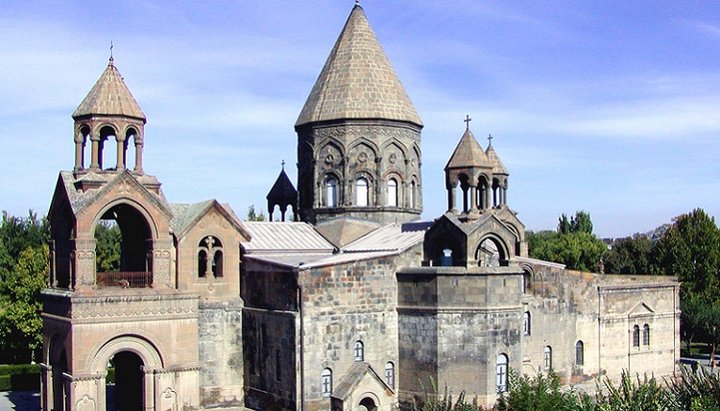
x: 612, y: 107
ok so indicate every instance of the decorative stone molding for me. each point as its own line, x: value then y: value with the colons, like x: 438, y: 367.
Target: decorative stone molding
x: 148, y: 353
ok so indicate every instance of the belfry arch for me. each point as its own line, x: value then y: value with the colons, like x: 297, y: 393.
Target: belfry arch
x: 134, y: 269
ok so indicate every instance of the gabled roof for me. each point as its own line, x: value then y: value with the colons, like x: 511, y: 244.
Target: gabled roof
x: 357, y: 371
x: 283, y: 191
x: 285, y: 237
x: 494, y: 159
x: 187, y: 215
x: 80, y: 199
x: 392, y: 237
x: 468, y: 153
x: 344, y: 230
x: 110, y: 96
x: 358, y: 81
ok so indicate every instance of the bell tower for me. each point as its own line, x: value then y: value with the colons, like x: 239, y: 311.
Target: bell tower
x: 108, y: 114
x: 359, y: 136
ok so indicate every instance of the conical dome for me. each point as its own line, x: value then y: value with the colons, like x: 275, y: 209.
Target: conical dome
x: 468, y: 153
x: 497, y: 165
x: 358, y: 81
x: 110, y: 96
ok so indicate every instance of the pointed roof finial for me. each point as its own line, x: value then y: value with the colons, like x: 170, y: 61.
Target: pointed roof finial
x: 112, y: 60
x: 357, y: 2
x: 490, y: 137
x: 467, y: 121
x: 283, y: 164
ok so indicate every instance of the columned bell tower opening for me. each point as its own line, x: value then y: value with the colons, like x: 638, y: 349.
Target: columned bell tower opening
x: 125, y: 225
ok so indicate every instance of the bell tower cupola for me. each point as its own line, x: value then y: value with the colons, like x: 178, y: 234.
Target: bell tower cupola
x: 359, y: 136
x: 476, y: 179
x: 108, y: 114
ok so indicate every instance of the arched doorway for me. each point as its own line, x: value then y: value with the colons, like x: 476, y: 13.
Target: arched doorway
x: 367, y: 404
x: 126, y: 393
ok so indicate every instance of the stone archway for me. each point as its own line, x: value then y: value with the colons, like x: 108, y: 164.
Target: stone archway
x: 133, y: 358
x: 127, y: 394
x: 367, y: 404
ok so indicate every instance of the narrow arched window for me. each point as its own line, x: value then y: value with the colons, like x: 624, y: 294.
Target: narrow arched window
x: 331, y: 192
x: 413, y: 194
x: 547, y: 358
x: 202, y: 263
x: 579, y: 353
x: 646, y: 334
x: 392, y: 193
x: 359, y: 351
x: 361, y: 192
x: 326, y: 382
x: 526, y: 323
x: 217, y: 268
x: 636, y: 336
x: 501, y: 366
x: 390, y: 375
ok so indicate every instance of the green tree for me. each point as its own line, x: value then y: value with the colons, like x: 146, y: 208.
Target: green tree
x: 573, y: 244
x: 252, y: 215
x: 690, y: 250
x: 109, y: 239
x: 581, y: 223
x: 540, y: 393
x: 629, y: 255
x: 20, y: 321
x: 16, y: 234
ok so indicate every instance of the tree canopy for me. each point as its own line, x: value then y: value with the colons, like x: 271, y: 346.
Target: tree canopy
x: 23, y: 275
x: 573, y: 244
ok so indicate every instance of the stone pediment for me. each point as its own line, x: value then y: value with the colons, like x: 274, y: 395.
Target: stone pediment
x: 360, y: 379
x: 122, y: 186
x: 183, y: 221
x: 641, y: 310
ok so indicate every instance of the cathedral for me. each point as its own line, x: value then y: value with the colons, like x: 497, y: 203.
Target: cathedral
x: 348, y: 301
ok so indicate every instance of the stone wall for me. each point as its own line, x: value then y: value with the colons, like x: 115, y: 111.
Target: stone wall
x: 221, y: 354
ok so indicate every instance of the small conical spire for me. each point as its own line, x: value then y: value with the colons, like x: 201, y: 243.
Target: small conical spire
x: 494, y: 159
x: 110, y: 96
x: 468, y: 152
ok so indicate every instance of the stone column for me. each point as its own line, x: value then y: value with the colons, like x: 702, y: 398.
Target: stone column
x: 79, y: 145
x: 488, y: 196
x: 120, y: 143
x: 379, y: 183
x: 138, y: 155
x: 451, y: 198
x: 95, y: 160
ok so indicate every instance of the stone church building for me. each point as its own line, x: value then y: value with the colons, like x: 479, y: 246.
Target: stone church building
x: 356, y: 304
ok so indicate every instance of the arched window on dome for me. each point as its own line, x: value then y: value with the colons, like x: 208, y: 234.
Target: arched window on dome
x: 413, y: 195
x: 392, y: 193
x: 526, y: 323
x: 331, y: 194
x: 361, y: 192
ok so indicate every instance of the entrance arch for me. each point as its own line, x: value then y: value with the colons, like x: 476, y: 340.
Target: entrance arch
x: 127, y: 394
x: 367, y: 404
x: 133, y: 357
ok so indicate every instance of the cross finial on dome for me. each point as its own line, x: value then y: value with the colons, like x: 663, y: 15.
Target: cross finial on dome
x: 490, y: 137
x: 357, y: 2
x: 283, y: 164
x: 467, y: 121
x: 112, y: 60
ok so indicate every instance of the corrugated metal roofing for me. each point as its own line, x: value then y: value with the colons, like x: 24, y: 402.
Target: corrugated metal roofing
x: 310, y: 260
x: 393, y: 237
x: 286, y: 237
